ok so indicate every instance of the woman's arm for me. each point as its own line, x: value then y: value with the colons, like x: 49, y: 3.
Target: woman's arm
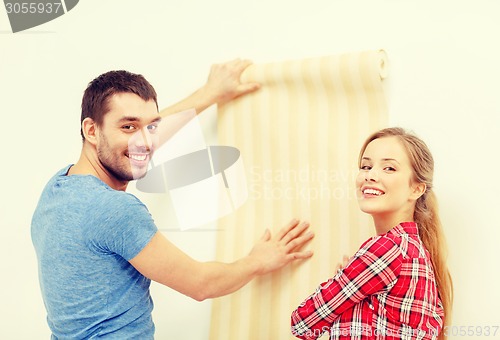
x: 374, y: 268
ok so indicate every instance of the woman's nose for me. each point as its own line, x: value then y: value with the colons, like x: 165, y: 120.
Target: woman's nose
x: 371, y: 175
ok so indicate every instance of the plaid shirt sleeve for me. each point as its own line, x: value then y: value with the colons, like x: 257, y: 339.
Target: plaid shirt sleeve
x: 372, y: 270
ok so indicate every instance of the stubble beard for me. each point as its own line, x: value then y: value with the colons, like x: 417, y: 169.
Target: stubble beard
x: 114, y: 164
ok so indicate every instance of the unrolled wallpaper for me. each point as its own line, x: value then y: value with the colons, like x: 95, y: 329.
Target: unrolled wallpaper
x: 299, y: 137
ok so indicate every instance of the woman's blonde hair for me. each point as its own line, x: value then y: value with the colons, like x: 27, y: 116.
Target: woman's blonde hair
x: 426, y: 211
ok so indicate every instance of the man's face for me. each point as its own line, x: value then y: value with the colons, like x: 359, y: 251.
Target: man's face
x: 126, y: 138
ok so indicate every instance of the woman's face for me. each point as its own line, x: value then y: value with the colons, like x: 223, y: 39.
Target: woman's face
x: 384, y: 186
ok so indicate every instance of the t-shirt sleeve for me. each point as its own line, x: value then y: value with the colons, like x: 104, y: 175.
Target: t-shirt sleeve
x: 121, y: 225
x: 373, y: 269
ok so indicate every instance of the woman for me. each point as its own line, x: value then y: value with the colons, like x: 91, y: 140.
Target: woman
x: 397, y: 285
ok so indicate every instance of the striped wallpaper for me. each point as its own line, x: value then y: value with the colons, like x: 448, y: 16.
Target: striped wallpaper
x: 299, y: 138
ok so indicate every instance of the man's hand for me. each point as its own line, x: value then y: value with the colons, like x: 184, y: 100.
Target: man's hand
x: 272, y: 253
x: 163, y: 262
x: 224, y: 83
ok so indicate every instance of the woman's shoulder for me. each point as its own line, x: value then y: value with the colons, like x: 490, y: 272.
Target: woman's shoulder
x: 378, y: 245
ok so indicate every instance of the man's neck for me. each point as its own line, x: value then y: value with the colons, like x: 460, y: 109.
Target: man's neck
x: 89, y: 164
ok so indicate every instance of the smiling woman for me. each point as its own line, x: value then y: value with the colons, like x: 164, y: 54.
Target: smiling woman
x: 385, y: 186
x: 397, y: 284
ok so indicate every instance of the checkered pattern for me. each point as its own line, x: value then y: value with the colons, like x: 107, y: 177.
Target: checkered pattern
x: 386, y: 291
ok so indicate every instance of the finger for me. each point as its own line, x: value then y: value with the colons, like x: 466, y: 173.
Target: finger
x: 234, y: 66
x: 345, y: 260
x: 283, y: 231
x: 247, y: 88
x: 299, y: 242
x: 300, y: 255
x: 233, y: 61
x: 242, y: 64
x: 266, y: 236
x: 295, y: 232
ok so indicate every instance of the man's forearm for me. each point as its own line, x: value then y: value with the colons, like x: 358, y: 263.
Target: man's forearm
x: 219, y: 279
x: 200, y: 100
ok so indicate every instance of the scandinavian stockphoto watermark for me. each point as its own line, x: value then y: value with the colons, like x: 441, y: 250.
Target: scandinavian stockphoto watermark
x: 28, y: 14
x: 466, y: 331
x: 303, y: 183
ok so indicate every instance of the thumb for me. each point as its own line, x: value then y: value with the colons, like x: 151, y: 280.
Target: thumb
x: 345, y: 260
x: 266, y: 236
x: 247, y: 88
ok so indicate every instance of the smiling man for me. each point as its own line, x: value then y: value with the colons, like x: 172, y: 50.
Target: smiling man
x: 98, y: 247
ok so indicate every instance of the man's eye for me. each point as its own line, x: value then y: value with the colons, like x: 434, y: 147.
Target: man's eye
x: 152, y: 128
x: 128, y: 127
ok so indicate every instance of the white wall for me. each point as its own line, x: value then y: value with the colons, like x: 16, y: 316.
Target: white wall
x: 443, y: 84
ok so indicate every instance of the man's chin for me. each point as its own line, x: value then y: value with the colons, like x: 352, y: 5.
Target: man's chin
x: 139, y: 173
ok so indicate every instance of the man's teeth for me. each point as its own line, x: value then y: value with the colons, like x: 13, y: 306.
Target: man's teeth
x: 138, y: 157
x: 372, y: 192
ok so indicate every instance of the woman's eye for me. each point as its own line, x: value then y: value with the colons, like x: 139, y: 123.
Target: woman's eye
x: 365, y: 167
x: 389, y: 168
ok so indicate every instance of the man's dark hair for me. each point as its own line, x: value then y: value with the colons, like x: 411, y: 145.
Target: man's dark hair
x: 95, y: 102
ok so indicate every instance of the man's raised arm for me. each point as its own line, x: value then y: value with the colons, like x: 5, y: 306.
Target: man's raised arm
x: 223, y: 84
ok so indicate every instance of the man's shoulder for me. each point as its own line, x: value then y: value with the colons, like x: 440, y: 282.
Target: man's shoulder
x: 85, y: 189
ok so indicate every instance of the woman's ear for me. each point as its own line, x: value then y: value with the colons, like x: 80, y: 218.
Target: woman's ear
x: 418, y: 190
x: 89, y: 130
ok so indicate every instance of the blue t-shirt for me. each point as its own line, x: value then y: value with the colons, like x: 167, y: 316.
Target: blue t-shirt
x: 84, y: 234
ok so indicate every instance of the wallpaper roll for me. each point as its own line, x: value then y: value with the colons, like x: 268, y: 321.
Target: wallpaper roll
x: 299, y: 138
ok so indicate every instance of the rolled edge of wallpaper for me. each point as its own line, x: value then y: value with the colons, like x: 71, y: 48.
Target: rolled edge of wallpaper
x: 383, y: 63
x: 376, y: 60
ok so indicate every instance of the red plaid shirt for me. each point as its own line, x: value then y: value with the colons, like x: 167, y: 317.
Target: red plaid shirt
x: 386, y: 291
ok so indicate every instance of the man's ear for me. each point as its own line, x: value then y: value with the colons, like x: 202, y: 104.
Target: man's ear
x: 89, y: 129
x: 418, y: 190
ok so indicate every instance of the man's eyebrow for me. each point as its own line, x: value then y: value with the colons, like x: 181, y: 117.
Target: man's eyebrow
x: 137, y: 119
x: 129, y: 119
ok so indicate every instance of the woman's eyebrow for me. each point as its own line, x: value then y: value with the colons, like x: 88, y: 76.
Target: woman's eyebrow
x: 383, y: 159
x: 390, y: 159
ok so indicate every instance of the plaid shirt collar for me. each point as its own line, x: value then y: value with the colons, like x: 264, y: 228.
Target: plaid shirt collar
x: 404, y: 228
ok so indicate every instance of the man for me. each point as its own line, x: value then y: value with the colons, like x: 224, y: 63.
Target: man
x: 98, y: 247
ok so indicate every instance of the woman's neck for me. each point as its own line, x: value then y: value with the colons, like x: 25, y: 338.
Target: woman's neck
x: 385, y: 223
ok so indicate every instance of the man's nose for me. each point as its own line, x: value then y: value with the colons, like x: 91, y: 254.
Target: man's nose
x: 142, y: 139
